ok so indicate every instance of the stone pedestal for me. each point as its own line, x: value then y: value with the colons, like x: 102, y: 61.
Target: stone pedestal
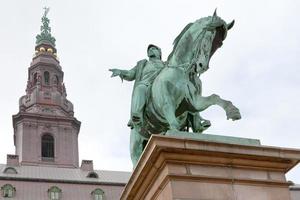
x: 173, y: 167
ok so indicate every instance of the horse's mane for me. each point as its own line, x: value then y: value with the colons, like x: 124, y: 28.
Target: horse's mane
x: 202, y: 21
x: 205, y: 22
x: 178, y: 38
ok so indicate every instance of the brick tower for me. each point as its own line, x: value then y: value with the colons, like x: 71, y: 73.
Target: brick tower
x: 45, y: 129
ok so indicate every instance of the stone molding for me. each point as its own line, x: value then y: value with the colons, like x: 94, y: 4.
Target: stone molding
x: 30, y: 119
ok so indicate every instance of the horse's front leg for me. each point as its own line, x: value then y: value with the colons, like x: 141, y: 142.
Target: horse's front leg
x: 232, y: 112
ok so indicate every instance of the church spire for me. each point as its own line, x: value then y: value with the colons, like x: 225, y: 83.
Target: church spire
x: 45, y: 42
x: 45, y: 129
x: 45, y: 35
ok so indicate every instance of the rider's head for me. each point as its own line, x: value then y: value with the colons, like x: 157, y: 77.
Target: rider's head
x: 153, y: 51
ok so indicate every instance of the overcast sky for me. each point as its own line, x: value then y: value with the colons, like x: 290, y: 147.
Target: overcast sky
x: 257, y: 68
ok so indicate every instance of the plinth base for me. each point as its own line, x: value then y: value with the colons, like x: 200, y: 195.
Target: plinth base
x: 190, y: 169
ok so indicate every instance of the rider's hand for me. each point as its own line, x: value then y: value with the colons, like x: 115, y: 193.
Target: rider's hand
x: 115, y: 72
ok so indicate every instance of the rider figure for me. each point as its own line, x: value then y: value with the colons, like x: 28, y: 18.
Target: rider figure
x: 144, y: 74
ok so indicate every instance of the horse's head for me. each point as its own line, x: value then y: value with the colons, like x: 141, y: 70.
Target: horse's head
x: 198, y: 41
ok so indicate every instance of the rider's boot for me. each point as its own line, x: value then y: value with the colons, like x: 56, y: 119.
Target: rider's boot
x: 130, y: 123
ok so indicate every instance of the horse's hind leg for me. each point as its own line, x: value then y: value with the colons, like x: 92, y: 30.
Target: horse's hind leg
x: 168, y: 110
x: 137, y: 144
x: 198, y: 124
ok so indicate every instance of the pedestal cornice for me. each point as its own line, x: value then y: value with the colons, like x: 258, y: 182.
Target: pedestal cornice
x: 167, y: 161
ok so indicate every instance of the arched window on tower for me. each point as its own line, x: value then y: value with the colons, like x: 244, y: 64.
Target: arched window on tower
x: 56, y: 80
x: 34, y: 78
x: 47, y: 147
x: 46, y: 77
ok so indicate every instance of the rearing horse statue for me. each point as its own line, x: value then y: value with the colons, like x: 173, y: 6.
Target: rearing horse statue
x: 175, y: 99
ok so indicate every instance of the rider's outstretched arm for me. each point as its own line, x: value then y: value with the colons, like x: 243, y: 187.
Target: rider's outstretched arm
x: 128, y: 75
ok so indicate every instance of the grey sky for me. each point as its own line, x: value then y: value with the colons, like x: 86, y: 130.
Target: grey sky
x: 257, y: 67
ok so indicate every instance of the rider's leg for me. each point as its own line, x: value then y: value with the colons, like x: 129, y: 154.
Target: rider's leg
x: 138, y: 102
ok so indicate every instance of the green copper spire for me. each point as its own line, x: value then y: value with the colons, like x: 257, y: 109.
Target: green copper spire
x: 45, y: 35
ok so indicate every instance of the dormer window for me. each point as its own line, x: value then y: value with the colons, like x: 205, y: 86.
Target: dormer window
x: 10, y: 170
x: 92, y: 175
x: 46, y: 77
x: 8, y: 191
x: 47, y: 147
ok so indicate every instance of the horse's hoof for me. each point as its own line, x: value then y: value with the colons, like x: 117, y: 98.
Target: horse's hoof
x: 206, y: 124
x: 172, y: 132
x: 237, y: 117
x: 234, y: 116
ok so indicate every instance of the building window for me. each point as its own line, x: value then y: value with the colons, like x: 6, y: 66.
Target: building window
x: 8, y: 191
x: 48, y: 147
x: 46, y: 77
x: 54, y: 193
x: 92, y: 175
x: 10, y: 170
x: 98, y: 194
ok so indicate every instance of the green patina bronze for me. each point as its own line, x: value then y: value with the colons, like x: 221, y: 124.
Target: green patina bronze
x: 45, y: 35
x: 167, y: 96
